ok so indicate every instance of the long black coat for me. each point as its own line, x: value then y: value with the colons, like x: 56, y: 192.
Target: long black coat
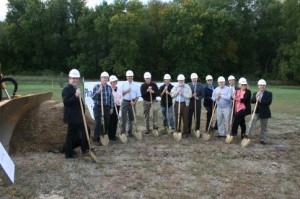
x: 72, y: 111
x: 207, y: 96
x: 263, y: 107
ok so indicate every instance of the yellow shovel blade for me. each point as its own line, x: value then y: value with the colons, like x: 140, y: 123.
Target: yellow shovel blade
x: 93, y: 156
x: 245, y: 142
x: 104, y: 140
x: 197, y: 134
x: 177, y: 136
x: 138, y: 135
x: 229, y: 139
x: 155, y: 133
x: 123, y: 138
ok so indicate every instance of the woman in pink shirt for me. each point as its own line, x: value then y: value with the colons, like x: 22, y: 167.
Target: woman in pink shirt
x: 118, y: 97
x: 242, y: 107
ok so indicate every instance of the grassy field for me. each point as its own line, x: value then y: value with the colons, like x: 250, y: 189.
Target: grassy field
x: 162, y: 168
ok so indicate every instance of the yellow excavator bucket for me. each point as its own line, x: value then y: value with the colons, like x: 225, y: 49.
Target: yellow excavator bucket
x: 13, y: 109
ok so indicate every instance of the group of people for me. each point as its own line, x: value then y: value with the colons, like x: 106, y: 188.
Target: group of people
x: 182, y: 101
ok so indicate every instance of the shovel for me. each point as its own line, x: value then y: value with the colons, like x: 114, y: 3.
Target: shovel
x: 196, y: 132
x: 246, y: 141
x: 103, y: 139
x: 177, y: 135
x: 138, y: 135
x: 207, y: 134
x: 93, y: 156
x: 121, y: 136
x: 168, y: 130
x: 155, y: 131
x: 229, y: 138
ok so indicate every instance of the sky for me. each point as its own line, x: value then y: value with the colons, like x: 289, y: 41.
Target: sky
x: 90, y: 3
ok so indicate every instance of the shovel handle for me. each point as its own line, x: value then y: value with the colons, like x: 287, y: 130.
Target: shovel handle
x: 212, y: 115
x: 84, y: 123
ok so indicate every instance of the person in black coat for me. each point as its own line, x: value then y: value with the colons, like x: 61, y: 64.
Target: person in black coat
x: 263, y: 112
x: 208, y: 103
x: 242, y: 107
x: 73, y: 116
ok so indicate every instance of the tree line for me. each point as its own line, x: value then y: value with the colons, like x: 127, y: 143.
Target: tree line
x: 255, y: 38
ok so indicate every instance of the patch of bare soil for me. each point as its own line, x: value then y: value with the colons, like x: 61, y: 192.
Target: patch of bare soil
x: 161, y: 168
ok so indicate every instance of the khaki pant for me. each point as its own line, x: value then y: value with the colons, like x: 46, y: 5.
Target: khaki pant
x: 147, y: 107
x: 263, y: 126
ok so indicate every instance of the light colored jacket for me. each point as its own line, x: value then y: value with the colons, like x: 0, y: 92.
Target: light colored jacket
x: 187, y: 93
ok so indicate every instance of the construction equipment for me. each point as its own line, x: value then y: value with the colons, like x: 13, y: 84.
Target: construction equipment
x: 246, y: 141
x: 196, y: 132
x: 103, y: 138
x: 155, y: 131
x: 121, y: 136
x: 177, y: 135
x: 93, y: 156
x: 207, y: 135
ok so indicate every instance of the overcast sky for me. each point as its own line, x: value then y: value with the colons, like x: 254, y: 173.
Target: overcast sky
x: 90, y: 3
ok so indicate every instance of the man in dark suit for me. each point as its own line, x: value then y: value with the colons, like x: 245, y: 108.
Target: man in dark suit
x: 208, y: 103
x: 197, y: 90
x: 263, y: 112
x: 73, y: 116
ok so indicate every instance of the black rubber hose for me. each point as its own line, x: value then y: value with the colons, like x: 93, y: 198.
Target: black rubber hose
x: 9, y: 79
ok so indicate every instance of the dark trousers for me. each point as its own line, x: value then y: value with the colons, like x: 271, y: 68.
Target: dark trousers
x: 76, y: 136
x: 113, y: 123
x: 184, y: 114
x: 208, y: 117
x: 99, y: 128
x: 192, y: 113
x: 239, y: 120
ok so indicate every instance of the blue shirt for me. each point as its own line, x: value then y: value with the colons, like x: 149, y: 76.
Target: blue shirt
x: 225, y: 98
x: 134, y: 93
x: 108, y: 99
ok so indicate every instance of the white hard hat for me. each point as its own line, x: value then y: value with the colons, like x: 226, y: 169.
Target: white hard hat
x: 242, y: 80
x: 113, y: 78
x: 208, y: 77
x: 104, y: 74
x: 231, y: 77
x: 167, y: 76
x: 181, y: 77
x: 147, y: 75
x: 262, y: 82
x: 129, y: 73
x: 74, y: 73
x: 221, y: 79
x: 194, y: 75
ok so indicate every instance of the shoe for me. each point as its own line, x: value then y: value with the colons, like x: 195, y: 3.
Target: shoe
x: 113, y: 139
x: 244, y: 136
x: 185, y: 135
x: 263, y: 142
x: 221, y: 136
x: 146, y: 131
x: 70, y: 157
x: 85, y: 152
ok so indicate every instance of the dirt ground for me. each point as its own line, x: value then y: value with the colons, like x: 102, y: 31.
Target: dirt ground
x: 161, y: 168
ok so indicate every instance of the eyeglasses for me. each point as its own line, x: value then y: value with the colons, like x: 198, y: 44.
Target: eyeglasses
x: 209, y: 80
x: 244, y: 84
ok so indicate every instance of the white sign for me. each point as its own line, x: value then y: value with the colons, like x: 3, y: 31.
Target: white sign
x: 6, y: 164
x: 88, y: 91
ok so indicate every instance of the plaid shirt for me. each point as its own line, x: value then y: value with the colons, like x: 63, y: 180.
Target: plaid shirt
x: 108, y: 99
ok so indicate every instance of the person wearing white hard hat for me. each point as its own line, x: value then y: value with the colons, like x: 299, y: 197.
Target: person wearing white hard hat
x: 197, y: 90
x: 105, y: 90
x: 231, y: 81
x: 207, y: 102
x: 73, y: 116
x: 149, y: 92
x: 222, y: 96
x: 131, y: 93
x: 242, y: 107
x: 164, y: 92
x: 182, y: 94
x: 263, y: 112
x: 113, y: 120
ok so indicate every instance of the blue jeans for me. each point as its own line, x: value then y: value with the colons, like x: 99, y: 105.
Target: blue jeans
x: 170, y: 115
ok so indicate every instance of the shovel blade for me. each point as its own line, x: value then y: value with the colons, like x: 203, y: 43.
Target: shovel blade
x: 197, y: 134
x: 245, y: 142
x: 123, y: 138
x: 138, y: 135
x: 206, y: 137
x: 177, y: 136
x: 155, y: 133
x: 94, y: 157
x: 104, y: 140
x: 229, y: 139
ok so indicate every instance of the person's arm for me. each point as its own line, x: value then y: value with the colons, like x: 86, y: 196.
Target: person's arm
x: 68, y: 97
x: 227, y: 96
x: 266, y: 100
x: 95, y: 92
x: 155, y: 89
x: 187, y: 91
x: 253, y: 98
x: 174, y: 92
x: 144, y: 91
x: 213, y: 96
x: 200, y: 92
x: 247, y: 97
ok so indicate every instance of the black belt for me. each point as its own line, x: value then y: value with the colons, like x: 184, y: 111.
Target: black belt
x: 179, y: 102
x: 128, y: 100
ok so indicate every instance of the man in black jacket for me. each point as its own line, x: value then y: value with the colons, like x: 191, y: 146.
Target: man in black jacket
x: 208, y: 103
x: 263, y: 112
x: 73, y: 116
